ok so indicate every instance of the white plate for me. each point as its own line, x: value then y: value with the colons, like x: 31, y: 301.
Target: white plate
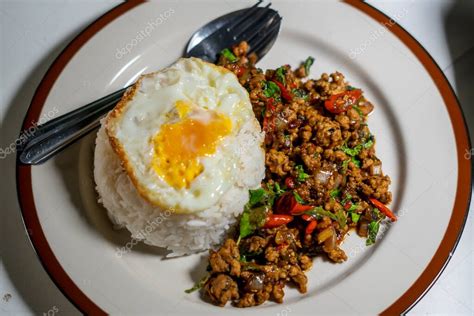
x: 421, y: 139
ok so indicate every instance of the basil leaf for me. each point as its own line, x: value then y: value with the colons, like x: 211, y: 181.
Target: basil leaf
x: 377, y: 213
x: 358, y: 110
x: 344, y: 165
x: 351, y: 151
x: 320, y: 212
x: 350, y: 88
x: 271, y: 89
x: 307, y: 64
x: 278, y: 190
x: 251, y: 219
x: 373, y: 230
x: 355, y: 217
x: 353, y: 208
x: 228, y: 55
x: 280, y: 74
x: 301, y: 175
x: 245, y: 226
x: 334, y: 193
x: 256, y: 196
x: 341, y: 218
x: 198, y: 285
x: 346, y: 199
x: 368, y: 143
x: 355, y: 161
x: 298, y: 198
x: 300, y: 93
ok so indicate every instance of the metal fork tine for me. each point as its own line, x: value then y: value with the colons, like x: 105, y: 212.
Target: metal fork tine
x: 261, y: 27
x: 264, y: 37
x: 244, y: 16
x: 247, y: 28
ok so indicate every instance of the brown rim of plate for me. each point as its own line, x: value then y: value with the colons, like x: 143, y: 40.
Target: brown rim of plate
x: 414, y: 293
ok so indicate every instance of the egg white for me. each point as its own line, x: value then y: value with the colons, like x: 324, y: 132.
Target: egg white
x: 150, y: 103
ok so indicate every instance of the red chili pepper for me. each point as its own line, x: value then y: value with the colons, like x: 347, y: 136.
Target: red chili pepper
x: 290, y: 182
x: 347, y: 205
x: 311, y: 227
x: 293, y: 85
x: 284, y: 93
x: 269, y: 120
x: 287, y: 204
x: 240, y: 70
x: 382, y: 208
x: 276, y: 220
x: 307, y: 217
x: 300, y: 208
x: 343, y: 101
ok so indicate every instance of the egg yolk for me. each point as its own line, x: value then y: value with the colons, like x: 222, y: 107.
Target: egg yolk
x: 177, y: 146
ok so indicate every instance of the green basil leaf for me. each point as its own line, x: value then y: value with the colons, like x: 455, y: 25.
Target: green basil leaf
x: 280, y: 74
x: 334, y: 193
x: 355, y: 217
x: 373, y: 230
x: 228, y: 55
x: 368, y: 143
x: 341, y: 218
x: 353, y: 208
x: 256, y: 196
x: 271, y: 90
x: 358, y: 110
x: 344, y: 165
x: 300, y: 93
x: 245, y: 226
x: 298, y: 198
x: 198, y: 285
x: 320, y: 212
x: 307, y: 64
x: 301, y: 175
x: 355, y: 161
x: 351, y: 151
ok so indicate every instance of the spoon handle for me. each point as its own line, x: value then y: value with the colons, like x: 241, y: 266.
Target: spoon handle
x: 54, y: 135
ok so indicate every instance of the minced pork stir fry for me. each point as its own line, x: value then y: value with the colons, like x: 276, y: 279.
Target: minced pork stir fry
x: 322, y: 179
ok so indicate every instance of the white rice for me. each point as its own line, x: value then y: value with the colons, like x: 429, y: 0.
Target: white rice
x: 181, y: 234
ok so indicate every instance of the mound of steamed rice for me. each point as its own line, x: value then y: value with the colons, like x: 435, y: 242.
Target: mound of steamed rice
x: 180, y: 233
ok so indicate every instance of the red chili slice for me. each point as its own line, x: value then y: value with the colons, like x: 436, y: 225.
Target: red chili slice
x: 240, y: 70
x: 382, y: 208
x: 276, y: 220
x: 307, y: 217
x: 269, y: 120
x: 343, y: 101
x: 290, y: 182
x: 311, y: 227
x: 284, y: 93
x: 287, y: 204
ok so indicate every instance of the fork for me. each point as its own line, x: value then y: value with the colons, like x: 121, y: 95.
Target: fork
x: 259, y: 26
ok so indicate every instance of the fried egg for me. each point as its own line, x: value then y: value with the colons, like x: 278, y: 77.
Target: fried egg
x: 175, y: 132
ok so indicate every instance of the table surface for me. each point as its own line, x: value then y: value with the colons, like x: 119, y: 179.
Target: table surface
x: 33, y: 33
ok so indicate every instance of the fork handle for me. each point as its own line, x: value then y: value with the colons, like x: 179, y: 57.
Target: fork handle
x: 56, y: 134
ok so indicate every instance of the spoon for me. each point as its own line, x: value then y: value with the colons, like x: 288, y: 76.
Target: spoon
x: 259, y: 26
